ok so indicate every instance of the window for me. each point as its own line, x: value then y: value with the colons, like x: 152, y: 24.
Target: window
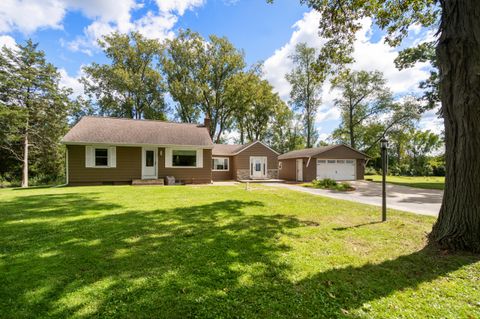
x: 341, y: 161
x: 331, y: 161
x: 220, y: 164
x: 321, y: 161
x: 101, y: 157
x: 350, y: 161
x: 149, y: 158
x: 184, y: 158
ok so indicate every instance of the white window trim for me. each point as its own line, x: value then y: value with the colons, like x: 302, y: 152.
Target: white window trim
x: 169, y: 156
x: 90, y: 156
x: 222, y: 158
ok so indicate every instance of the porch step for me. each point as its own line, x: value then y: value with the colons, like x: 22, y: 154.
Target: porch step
x: 273, y: 180
x: 139, y: 182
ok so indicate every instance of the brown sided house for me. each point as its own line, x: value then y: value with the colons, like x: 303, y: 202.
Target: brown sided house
x: 103, y: 150
x: 254, y: 160
x: 339, y: 162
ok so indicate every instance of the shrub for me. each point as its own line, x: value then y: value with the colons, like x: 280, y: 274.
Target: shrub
x: 370, y: 171
x: 324, y: 183
x: 329, y: 183
x: 344, y: 187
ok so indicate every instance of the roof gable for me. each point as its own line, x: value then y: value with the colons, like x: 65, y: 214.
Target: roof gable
x: 234, y: 149
x: 107, y: 130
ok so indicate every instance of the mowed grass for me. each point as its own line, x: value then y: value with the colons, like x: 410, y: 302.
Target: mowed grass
x: 426, y: 182
x: 221, y: 252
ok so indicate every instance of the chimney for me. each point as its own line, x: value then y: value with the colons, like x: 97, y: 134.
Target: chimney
x: 207, y: 122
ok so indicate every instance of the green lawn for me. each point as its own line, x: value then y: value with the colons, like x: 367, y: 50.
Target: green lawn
x: 213, y: 252
x: 428, y: 182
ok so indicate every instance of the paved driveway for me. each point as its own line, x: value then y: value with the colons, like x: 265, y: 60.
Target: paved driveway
x: 415, y: 200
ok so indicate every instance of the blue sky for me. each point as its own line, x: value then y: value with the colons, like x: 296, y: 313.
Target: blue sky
x: 67, y: 31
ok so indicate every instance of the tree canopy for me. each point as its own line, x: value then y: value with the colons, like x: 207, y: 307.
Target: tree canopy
x: 130, y: 85
x: 33, y: 110
x: 457, y: 50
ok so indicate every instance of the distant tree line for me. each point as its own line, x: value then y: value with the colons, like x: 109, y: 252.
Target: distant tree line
x: 199, y: 77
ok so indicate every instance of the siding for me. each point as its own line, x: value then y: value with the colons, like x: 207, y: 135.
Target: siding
x: 241, y: 161
x: 224, y: 176
x: 288, y: 171
x: 187, y: 175
x: 129, y: 166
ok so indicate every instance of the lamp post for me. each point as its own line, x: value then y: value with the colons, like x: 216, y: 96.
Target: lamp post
x: 384, y: 146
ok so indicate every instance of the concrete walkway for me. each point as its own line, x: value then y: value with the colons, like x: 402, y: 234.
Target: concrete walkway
x: 414, y: 200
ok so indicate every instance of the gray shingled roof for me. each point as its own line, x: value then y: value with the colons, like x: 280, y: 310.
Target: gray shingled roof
x: 309, y: 152
x: 226, y: 149
x: 108, y: 130
x: 232, y: 149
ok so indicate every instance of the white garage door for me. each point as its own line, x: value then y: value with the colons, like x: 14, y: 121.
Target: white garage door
x: 337, y: 169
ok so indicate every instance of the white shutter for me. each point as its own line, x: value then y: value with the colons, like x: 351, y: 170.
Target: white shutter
x: 112, y: 156
x: 200, y: 158
x: 168, y: 157
x: 89, y: 156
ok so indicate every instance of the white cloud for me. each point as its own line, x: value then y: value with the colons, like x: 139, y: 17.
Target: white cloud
x: 279, y: 64
x: 30, y: 15
x: 178, y: 6
x: 152, y: 25
x: 107, y: 16
x: 71, y: 82
x: 368, y: 56
x: 8, y: 41
x: 432, y: 122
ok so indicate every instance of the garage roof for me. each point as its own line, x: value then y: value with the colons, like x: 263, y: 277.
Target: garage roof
x: 312, y: 152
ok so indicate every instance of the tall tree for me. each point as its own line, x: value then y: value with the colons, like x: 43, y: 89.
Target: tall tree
x: 257, y: 106
x: 181, y: 67
x: 131, y: 85
x: 364, y: 96
x: 33, y: 107
x: 420, y: 145
x: 204, y: 70
x: 306, y: 86
x: 286, y: 133
x: 457, y: 52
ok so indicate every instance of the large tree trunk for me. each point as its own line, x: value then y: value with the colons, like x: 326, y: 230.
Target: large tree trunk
x: 458, y: 52
x: 25, y: 161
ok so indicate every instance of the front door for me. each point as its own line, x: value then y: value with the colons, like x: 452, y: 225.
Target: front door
x: 149, y: 162
x: 258, y: 167
x: 299, y: 170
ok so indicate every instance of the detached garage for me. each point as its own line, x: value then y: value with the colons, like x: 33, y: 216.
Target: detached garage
x: 339, y: 162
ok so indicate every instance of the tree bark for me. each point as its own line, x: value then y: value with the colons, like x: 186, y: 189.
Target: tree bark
x: 458, y: 52
x: 25, y: 161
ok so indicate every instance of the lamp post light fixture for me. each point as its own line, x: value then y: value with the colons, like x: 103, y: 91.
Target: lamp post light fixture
x: 384, y: 146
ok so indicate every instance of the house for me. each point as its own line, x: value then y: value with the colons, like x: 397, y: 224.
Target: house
x: 105, y: 150
x: 339, y: 162
x: 254, y: 160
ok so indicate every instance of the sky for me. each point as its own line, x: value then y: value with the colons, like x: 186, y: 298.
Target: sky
x: 67, y: 30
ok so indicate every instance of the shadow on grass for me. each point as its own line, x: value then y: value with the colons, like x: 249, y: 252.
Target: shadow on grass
x: 356, y: 226
x: 211, y: 260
